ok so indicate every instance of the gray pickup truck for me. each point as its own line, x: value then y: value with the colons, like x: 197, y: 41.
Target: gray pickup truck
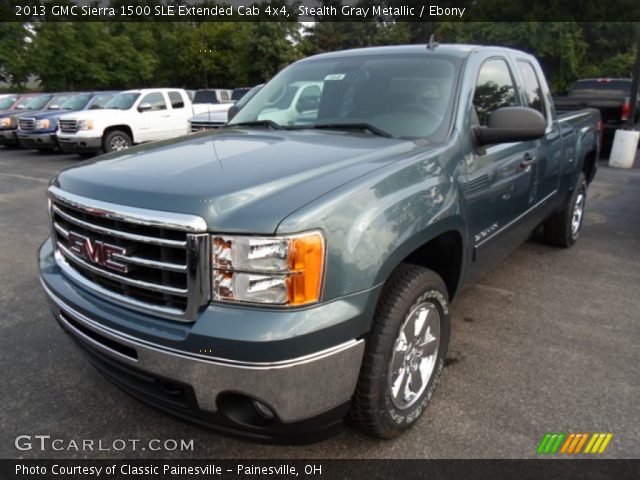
x: 296, y: 267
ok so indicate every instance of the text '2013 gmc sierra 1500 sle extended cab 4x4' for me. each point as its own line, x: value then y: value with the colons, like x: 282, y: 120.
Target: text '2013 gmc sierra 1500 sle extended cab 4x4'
x: 273, y: 277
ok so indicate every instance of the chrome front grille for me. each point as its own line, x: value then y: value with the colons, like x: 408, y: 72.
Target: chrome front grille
x: 148, y: 260
x: 199, y: 126
x: 26, y: 123
x: 68, y: 126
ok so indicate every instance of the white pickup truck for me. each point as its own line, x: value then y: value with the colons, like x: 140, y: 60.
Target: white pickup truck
x: 131, y: 117
x: 213, y: 100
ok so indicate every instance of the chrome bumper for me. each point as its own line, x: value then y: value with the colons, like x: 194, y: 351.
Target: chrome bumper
x: 296, y: 389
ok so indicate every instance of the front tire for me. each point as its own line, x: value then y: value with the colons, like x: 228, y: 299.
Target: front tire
x: 563, y: 228
x: 116, y: 140
x: 405, y: 353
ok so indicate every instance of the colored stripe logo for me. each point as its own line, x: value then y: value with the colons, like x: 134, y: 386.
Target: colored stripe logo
x: 572, y: 443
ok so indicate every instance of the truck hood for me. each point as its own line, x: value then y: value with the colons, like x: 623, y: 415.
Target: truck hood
x: 17, y: 112
x: 210, y: 117
x: 51, y: 114
x: 112, y: 114
x: 238, y: 180
x: 199, y: 108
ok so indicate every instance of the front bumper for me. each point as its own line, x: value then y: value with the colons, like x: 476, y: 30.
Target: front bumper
x: 79, y: 144
x: 8, y: 137
x: 309, y: 395
x: 38, y: 140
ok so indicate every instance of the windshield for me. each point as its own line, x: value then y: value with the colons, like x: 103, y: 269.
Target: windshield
x: 405, y: 96
x: 122, y: 101
x: 248, y: 96
x: 76, y: 102
x: 7, y: 102
x: 57, y: 102
x: 34, y: 103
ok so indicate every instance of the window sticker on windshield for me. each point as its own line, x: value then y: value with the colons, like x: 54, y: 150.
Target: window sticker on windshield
x: 335, y: 76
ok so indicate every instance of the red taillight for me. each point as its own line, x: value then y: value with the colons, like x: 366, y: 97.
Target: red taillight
x: 626, y: 109
x: 599, y: 125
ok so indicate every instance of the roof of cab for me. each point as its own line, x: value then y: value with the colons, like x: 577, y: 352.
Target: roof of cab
x: 448, y: 49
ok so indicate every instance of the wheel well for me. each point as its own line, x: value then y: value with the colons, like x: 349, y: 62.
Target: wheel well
x: 589, y: 165
x: 123, y: 128
x: 442, y: 254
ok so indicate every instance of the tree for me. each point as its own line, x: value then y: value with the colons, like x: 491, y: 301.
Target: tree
x: 14, y: 42
x: 262, y: 49
x: 559, y: 46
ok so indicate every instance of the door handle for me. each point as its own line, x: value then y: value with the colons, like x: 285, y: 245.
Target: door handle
x: 527, y: 161
x: 165, y: 116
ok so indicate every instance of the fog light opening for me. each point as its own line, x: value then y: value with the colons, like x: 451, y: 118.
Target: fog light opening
x: 246, y: 410
x: 262, y: 410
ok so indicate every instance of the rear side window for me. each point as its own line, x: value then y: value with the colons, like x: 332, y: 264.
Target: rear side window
x: 176, y: 100
x: 155, y: 100
x: 494, y: 89
x: 532, y: 89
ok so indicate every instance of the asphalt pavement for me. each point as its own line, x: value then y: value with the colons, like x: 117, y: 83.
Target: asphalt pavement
x: 546, y: 342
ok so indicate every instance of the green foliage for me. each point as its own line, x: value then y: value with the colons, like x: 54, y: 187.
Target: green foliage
x: 113, y: 55
x: 559, y: 46
x: 15, y: 39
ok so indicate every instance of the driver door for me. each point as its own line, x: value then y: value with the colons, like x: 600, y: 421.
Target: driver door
x: 500, y: 183
x: 154, y: 117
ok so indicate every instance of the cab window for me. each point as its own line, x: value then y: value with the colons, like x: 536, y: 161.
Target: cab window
x: 155, y: 100
x: 532, y: 89
x: 494, y: 89
x: 176, y: 100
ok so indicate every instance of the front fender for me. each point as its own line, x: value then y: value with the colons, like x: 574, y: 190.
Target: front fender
x: 373, y: 223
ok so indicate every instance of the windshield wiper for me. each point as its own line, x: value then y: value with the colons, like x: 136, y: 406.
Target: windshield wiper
x: 257, y: 123
x: 355, y: 126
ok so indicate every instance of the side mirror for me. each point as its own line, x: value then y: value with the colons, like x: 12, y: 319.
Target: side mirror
x: 144, y: 107
x: 511, y: 124
x: 232, y: 112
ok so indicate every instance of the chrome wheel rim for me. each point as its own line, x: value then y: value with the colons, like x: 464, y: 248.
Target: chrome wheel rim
x: 119, y: 143
x: 414, y: 355
x: 578, y: 212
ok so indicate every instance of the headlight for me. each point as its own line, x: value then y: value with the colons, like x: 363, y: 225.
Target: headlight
x: 285, y: 270
x: 85, y: 125
x: 5, y: 122
x: 42, y: 124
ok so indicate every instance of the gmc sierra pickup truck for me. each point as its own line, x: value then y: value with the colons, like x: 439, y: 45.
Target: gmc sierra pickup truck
x: 46, y: 102
x: 274, y: 276
x: 609, y: 95
x: 129, y: 118
x: 38, y: 130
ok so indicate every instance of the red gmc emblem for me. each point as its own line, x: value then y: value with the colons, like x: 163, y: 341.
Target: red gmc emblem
x: 97, y: 252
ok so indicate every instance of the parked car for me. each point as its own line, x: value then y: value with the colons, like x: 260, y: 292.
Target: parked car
x: 207, y: 121
x: 129, y: 118
x: 17, y: 102
x: 213, y: 120
x: 8, y: 100
x: 35, y: 103
x: 298, y: 100
x: 277, y: 274
x: 609, y: 95
x: 212, y: 100
x: 38, y: 130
